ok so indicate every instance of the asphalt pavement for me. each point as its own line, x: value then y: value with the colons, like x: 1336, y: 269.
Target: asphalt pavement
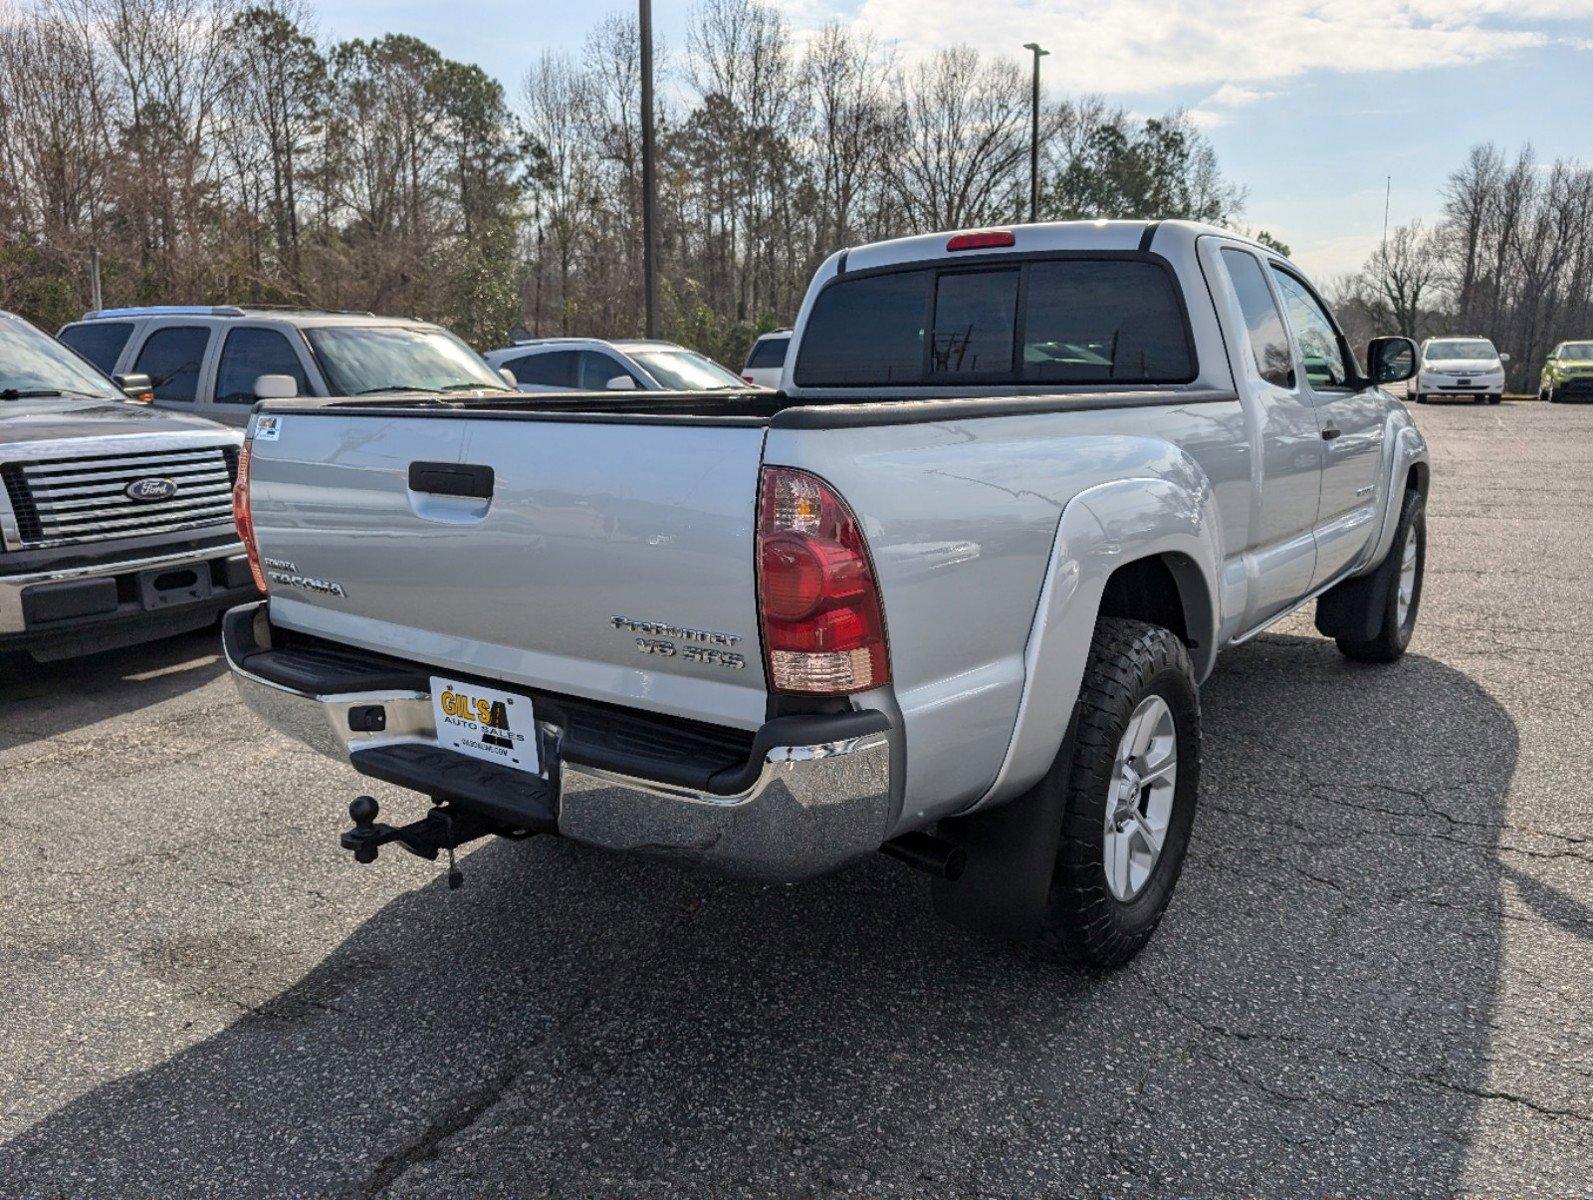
x: 1374, y: 979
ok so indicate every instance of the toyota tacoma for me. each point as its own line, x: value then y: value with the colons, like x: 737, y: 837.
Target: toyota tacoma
x: 950, y: 593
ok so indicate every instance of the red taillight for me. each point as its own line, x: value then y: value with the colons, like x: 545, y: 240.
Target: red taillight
x: 242, y: 518
x: 823, y: 627
x: 983, y: 239
x: 747, y: 377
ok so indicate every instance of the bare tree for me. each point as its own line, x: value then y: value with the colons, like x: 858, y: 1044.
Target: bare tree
x: 961, y: 137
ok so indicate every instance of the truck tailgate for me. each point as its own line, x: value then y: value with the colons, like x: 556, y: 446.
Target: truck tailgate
x: 610, y: 561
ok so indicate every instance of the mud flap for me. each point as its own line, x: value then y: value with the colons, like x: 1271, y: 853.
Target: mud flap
x: 1353, y: 610
x: 1005, y: 888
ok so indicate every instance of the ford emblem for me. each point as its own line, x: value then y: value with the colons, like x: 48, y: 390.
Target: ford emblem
x: 147, y: 491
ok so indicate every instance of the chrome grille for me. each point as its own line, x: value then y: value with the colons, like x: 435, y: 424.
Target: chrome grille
x: 59, y: 502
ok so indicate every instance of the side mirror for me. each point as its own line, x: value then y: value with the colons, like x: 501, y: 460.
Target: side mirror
x: 621, y: 383
x: 276, y: 387
x: 508, y: 378
x: 138, y: 387
x: 1504, y: 358
x: 1390, y: 359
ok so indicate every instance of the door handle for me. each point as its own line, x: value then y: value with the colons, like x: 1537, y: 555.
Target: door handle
x: 451, y: 479
x: 1331, y: 432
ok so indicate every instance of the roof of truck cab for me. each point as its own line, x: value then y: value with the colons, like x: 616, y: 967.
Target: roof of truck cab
x: 1041, y: 238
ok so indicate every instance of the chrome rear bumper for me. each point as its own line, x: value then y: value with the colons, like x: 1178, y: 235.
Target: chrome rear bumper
x: 809, y: 809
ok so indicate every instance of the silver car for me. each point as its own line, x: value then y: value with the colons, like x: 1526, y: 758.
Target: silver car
x: 216, y: 360
x: 594, y: 365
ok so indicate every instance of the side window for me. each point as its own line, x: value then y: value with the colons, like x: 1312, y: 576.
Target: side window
x: 975, y: 316
x: 598, y: 368
x: 171, y: 358
x: 1097, y: 321
x: 557, y: 368
x: 1320, y: 353
x: 866, y: 332
x: 1269, y: 341
x: 100, y: 342
x: 248, y: 354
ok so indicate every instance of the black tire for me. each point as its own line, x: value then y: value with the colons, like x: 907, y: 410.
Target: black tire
x: 1554, y: 395
x: 1085, y: 922
x: 1495, y: 399
x: 1479, y: 399
x: 1390, y: 635
x: 1420, y: 398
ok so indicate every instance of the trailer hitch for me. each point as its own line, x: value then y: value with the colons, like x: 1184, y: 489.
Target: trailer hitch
x: 442, y: 829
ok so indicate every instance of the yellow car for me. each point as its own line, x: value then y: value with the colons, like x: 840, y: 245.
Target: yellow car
x: 1568, y: 373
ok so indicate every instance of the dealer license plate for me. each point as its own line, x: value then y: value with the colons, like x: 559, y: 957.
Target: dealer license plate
x: 485, y: 723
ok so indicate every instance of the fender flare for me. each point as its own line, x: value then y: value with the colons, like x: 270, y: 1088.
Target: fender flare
x: 1101, y: 529
x: 1407, y: 447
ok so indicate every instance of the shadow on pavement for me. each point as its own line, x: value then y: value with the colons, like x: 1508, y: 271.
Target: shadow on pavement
x: 42, y: 700
x: 1313, y: 1017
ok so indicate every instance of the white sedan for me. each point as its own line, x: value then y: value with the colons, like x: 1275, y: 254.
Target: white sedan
x: 594, y: 365
x: 1466, y: 366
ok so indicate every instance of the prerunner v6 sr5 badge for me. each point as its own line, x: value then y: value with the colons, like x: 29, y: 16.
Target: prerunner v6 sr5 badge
x: 485, y: 723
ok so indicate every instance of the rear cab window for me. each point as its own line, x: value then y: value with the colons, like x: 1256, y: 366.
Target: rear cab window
x: 1269, y: 340
x: 100, y: 342
x: 1072, y: 319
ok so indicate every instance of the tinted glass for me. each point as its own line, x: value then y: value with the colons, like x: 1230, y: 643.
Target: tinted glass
x: 248, y: 354
x: 686, y: 371
x: 100, y: 342
x: 975, y: 314
x: 1320, y: 353
x: 866, y: 332
x: 171, y: 359
x: 597, y: 369
x: 1460, y: 348
x: 1092, y: 321
x: 34, y: 364
x: 360, y: 360
x: 558, y: 368
x: 1269, y: 341
x: 1572, y: 351
x: 769, y: 352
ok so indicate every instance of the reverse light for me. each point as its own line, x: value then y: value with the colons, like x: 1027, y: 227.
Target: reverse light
x: 818, y: 600
x: 982, y: 239
x: 242, y: 518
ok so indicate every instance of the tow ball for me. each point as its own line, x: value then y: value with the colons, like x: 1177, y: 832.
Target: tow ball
x: 440, y: 830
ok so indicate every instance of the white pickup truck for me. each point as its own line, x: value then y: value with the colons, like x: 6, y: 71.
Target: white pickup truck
x: 949, y: 594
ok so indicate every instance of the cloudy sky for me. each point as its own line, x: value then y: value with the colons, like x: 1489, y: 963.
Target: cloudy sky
x: 1311, y: 105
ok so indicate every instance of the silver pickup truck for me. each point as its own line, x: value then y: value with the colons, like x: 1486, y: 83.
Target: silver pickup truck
x: 948, y: 594
x: 115, y: 520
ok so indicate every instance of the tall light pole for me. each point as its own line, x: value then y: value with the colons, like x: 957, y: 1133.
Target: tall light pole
x: 649, y: 180
x: 1034, y: 133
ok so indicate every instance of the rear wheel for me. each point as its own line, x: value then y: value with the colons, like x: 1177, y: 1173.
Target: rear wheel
x: 1130, y: 790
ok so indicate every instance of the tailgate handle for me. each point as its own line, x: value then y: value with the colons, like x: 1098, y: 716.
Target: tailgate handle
x: 451, y: 479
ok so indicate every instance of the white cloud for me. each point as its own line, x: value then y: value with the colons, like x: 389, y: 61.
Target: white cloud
x: 1140, y: 46
x: 1231, y: 95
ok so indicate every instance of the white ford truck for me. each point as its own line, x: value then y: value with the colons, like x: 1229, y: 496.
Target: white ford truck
x: 949, y: 594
